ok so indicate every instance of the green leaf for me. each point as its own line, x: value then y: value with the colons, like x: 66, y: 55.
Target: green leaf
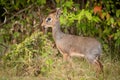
x: 112, y: 20
x: 16, y: 34
x: 117, y: 35
x: 49, y: 61
x: 69, y: 4
x: 63, y: 20
x: 1, y: 39
x: 43, y: 69
x: 118, y: 23
x: 57, y: 1
x: 118, y: 13
x: 40, y: 2
x: 96, y: 19
x: 80, y: 15
x: 88, y: 15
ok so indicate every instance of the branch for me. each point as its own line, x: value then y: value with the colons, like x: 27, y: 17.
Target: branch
x: 6, y: 47
x: 16, y: 14
x: 3, y: 45
x: 53, y: 3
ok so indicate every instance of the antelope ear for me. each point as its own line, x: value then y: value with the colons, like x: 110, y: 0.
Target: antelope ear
x: 58, y: 12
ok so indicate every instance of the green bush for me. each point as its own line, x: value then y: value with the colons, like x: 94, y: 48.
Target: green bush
x: 34, y: 53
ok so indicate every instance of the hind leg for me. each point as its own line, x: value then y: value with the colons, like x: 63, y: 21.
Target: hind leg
x: 97, y: 65
x: 98, y: 68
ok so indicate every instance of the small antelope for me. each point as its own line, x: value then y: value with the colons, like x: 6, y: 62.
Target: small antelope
x: 71, y: 45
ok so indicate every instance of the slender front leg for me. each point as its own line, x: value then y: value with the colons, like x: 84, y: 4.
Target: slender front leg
x: 66, y: 57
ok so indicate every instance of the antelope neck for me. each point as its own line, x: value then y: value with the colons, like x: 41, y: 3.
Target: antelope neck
x: 56, y: 31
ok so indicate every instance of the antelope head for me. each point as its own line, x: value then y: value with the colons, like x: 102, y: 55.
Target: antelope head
x: 51, y: 19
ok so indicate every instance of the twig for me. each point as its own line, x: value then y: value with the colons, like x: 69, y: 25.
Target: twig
x: 16, y: 14
x: 3, y: 45
x: 53, y: 3
x: 6, y: 48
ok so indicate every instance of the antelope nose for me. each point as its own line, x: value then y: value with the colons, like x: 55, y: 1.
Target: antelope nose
x: 44, y: 29
x: 42, y: 24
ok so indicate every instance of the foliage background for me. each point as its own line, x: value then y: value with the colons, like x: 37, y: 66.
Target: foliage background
x: 26, y: 51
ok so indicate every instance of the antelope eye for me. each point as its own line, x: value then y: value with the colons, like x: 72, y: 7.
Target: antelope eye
x: 48, y: 19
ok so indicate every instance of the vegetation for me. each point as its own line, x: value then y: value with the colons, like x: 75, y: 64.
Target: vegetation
x: 28, y: 54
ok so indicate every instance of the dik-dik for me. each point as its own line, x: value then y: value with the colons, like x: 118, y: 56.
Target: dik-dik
x: 71, y: 45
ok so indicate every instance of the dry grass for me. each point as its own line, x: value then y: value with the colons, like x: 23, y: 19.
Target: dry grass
x: 60, y: 70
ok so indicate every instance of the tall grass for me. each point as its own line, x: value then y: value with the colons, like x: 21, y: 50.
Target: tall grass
x: 59, y: 70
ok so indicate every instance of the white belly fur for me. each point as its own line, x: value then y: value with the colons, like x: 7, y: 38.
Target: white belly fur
x: 76, y: 54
